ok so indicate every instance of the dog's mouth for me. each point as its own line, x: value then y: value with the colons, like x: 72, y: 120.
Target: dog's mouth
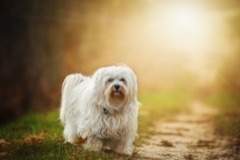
x: 117, y: 96
x: 117, y: 92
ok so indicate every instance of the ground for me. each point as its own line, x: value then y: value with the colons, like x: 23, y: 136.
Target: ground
x: 189, y: 136
x: 170, y: 126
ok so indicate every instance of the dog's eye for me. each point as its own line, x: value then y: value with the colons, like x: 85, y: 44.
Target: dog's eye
x: 122, y: 79
x: 110, y: 80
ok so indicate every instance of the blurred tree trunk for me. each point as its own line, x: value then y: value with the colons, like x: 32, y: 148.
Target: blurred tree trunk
x: 31, y: 37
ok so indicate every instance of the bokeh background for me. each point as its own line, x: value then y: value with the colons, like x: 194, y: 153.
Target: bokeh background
x: 185, y: 45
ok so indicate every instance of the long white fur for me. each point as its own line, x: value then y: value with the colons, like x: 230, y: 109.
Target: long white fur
x: 83, y: 100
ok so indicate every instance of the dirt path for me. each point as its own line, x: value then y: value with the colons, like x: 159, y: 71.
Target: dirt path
x: 187, y: 136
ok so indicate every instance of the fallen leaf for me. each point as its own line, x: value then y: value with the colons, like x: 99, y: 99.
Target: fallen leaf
x: 59, y: 140
x: 43, y: 132
x: 2, y: 141
x: 204, y: 143
x: 88, y: 156
x: 4, y: 154
x: 5, y: 144
x: 166, y: 143
x: 235, y: 139
x: 188, y: 157
x: 77, y: 156
x: 32, y: 139
x: 79, y: 149
x: 81, y: 140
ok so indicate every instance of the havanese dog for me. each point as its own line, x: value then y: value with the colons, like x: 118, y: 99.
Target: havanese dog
x: 101, y: 109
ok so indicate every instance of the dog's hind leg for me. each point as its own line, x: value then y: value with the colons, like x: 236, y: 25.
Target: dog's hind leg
x: 93, y: 143
x: 123, y: 146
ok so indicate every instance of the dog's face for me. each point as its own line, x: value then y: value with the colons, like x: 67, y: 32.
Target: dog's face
x: 115, y: 85
x: 116, y: 89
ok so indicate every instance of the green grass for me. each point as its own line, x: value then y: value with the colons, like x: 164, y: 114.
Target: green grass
x: 227, y: 119
x: 53, y: 146
x: 154, y: 107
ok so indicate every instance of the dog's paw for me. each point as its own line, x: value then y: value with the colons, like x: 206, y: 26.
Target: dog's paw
x: 128, y: 153
x: 125, y: 152
x: 93, y: 148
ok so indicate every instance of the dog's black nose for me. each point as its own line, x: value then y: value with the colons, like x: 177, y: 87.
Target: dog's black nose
x: 116, y: 86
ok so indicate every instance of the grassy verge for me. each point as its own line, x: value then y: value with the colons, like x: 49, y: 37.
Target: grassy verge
x: 228, y: 118
x: 48, y: 142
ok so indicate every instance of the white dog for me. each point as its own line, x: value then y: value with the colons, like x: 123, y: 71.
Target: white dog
x: 102, y: 109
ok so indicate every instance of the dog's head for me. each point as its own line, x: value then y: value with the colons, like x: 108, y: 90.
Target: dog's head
x: 115, y: 86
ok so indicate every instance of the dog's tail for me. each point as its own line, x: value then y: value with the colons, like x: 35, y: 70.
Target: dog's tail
x: 69, y: 83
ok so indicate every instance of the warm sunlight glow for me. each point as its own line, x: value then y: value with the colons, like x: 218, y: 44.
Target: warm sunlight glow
x: 184, y: 27
x: 186, y: 19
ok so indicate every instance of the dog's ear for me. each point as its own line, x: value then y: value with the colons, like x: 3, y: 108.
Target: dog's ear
x: 98, y: 84
x: 133, y: 87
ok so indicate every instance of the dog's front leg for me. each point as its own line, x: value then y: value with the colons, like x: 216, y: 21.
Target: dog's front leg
x: 123, y: 146
x: 93, y: 143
